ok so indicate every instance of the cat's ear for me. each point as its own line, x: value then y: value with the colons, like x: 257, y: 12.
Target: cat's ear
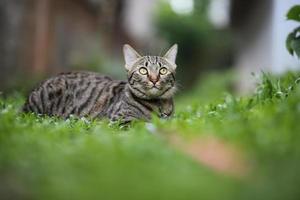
x: 171, y: 54
x: 130, y: 56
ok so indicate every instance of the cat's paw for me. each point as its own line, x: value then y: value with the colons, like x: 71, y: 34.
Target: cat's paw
x: 165, y: 115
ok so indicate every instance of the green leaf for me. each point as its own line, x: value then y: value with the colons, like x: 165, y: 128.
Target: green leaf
x: 289, y: 41
x: 294, y: 13
x: 296, y: 46
x: 292, y: 42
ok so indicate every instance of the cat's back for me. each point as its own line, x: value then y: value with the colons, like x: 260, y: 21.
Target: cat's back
x: 74, y: 93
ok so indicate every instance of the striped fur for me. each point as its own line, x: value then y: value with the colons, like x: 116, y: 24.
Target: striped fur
x: 88, y: 94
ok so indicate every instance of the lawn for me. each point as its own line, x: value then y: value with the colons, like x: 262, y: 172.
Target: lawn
x: 217, y: 146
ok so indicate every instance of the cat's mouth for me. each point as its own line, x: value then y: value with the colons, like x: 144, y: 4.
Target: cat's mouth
x: 154, y: 87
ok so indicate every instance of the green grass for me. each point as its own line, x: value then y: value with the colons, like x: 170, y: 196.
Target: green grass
x: 48, y: 158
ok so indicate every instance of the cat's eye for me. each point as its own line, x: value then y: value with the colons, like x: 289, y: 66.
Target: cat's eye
x: 163, y: 71
x: 143, y: 71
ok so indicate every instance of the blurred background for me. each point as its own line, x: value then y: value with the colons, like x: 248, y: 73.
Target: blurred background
x: 39, y: 38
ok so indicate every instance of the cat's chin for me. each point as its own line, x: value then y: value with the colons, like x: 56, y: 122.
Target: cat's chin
x: 154, y: 93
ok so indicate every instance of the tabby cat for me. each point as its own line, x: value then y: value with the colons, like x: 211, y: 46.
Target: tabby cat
x: 149, y: 88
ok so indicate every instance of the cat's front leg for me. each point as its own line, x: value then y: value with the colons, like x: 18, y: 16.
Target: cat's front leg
x: 127, y: 115
x: 166, y: 108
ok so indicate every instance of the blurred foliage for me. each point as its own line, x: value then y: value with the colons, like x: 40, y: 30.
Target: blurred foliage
x: 49, y: 158
x: 98, y: 59
x: 209, y: 88
x: 293, y: 39
x: 201, y: 46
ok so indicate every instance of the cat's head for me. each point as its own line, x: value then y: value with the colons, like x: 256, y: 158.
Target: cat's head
x: 151, y: 77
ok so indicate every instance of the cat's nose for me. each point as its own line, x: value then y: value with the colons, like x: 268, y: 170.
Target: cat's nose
x: 153, y: 79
